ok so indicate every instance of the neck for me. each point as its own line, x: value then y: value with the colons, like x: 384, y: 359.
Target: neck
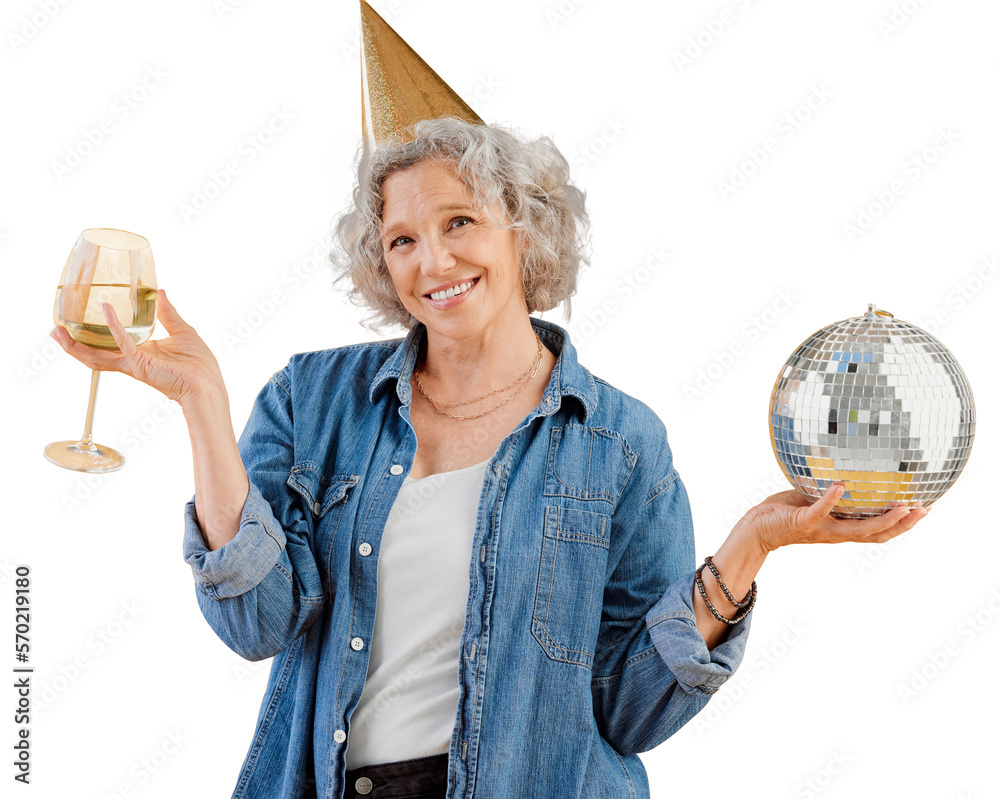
x: 462, y: 368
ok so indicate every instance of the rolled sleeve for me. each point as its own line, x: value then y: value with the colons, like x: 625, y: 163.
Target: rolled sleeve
x: 672, y: 626
x: 652, y: 669
x: 263, y: 588
x: 243, y: 562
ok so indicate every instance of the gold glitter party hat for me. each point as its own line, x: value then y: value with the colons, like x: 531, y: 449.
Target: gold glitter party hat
x: 397, y: 87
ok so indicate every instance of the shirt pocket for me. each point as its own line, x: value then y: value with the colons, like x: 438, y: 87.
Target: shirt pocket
x: 569, y: 593
x: 324, y: 501
x: 319, y: 492
x: 589, y: 463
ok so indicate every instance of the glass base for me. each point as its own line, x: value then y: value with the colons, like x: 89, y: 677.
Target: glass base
x: 84, y: 458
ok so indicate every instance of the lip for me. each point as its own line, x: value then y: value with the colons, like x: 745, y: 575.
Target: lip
x: 449, y: 302
x: 446, y: 286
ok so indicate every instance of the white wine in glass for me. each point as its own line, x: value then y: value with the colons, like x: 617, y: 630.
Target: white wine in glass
x: 116, y: 267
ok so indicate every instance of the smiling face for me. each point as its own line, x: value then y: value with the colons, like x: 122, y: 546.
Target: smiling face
x: 436, y: 238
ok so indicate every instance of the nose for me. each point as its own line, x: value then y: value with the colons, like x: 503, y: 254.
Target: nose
x: 436, y: 257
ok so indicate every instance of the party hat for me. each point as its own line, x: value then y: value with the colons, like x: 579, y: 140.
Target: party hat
x: 397, y: 87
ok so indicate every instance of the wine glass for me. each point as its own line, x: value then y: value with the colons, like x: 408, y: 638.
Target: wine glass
x: 116, y: 267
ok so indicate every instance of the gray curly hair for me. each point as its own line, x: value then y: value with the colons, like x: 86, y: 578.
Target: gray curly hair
x: 530, y: 179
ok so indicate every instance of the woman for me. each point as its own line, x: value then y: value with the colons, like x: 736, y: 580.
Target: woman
x: 470, y: 558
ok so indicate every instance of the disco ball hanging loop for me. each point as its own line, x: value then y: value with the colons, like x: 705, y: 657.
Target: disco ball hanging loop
x: 878, y: 404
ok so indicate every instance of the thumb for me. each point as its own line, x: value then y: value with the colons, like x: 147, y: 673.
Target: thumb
x: 168, y: 316
x: 822, y: 506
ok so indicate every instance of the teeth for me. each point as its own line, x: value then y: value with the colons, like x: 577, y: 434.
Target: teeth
x: 443, y: 295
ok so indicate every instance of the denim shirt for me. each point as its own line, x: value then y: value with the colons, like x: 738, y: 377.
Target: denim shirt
x: 579, y: 648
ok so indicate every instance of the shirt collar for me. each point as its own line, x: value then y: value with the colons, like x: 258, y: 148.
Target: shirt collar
x: 568, y: 376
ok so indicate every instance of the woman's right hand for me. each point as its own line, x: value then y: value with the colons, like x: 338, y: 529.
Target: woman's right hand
x: 181, y: 366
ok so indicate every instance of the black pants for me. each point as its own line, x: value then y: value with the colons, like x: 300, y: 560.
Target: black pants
x: 419, y: 778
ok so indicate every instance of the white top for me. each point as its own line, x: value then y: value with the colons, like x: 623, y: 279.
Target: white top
x: 409, y: 704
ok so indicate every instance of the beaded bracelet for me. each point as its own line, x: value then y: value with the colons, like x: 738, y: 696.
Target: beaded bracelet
x: 722, y: 585
x: 741, y: 615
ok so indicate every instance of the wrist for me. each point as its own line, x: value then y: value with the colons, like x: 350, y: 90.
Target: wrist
x: 745, y: 546
x: 205, y: 404
x: 738, y: 561
x: 759, y: 546
x: 752, y: 535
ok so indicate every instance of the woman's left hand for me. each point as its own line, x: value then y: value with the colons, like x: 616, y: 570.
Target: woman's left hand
x: 790, y: 518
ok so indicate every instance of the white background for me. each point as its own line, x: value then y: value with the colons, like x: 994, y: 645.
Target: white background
x: 656, y: 106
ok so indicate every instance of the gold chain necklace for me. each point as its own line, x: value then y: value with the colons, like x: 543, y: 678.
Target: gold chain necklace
x: 532, y: 369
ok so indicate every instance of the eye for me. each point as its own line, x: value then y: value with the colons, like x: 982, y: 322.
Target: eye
x: 399, y: 240
x: 459, y: 219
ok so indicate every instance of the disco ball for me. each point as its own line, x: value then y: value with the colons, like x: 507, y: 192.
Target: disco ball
x: 878, y: 404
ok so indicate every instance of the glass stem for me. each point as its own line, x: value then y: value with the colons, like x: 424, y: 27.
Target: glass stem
x: 86, y: 440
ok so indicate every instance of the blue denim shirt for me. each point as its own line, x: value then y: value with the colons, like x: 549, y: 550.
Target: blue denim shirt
x: 579, y: 649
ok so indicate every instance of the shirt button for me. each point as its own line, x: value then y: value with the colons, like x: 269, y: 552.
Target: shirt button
x: 340, y: 736
x: 396, y: 468
x: 317, y: 508
x: 365, y: 549
x: 357, y: 644
x: 363, y: 785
